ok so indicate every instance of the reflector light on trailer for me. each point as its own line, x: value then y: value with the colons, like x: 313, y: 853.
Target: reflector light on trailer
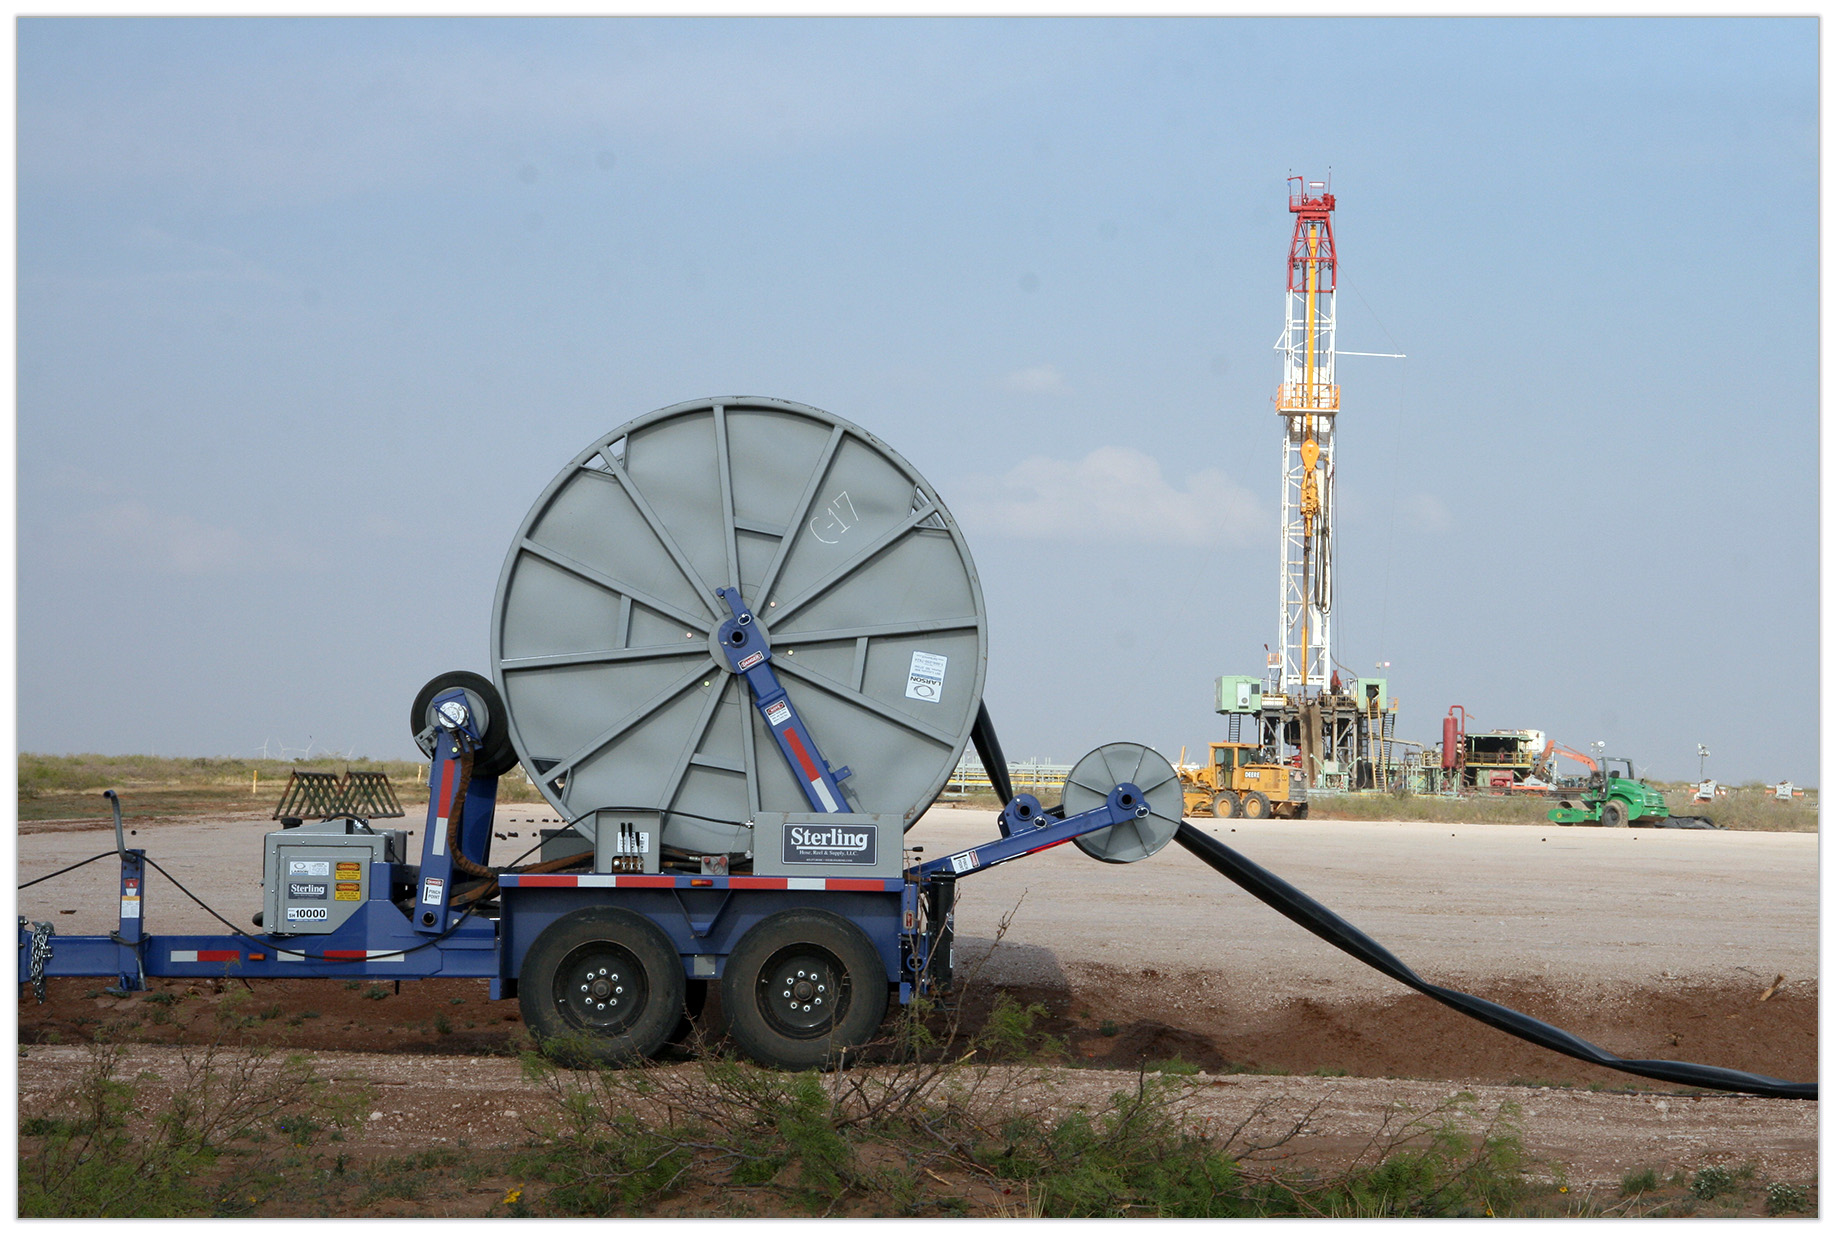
x: 209, y: 954
x: 345, y: 954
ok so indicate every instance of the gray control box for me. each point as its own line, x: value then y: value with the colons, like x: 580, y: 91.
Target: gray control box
x: 315, y: 876
x: 804, y: 843
x: 627, y: 841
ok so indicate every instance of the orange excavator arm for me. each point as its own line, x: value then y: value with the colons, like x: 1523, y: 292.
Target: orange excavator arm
x: 1555, y: 749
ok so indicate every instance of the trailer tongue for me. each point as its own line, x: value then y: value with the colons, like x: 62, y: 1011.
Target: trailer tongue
x: 740, y: 646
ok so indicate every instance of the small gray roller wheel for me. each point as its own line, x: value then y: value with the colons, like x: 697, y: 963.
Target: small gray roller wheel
x: 1105, y: 768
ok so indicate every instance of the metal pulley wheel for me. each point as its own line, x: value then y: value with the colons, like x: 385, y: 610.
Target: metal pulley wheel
x: 1105, y: 768
x: 605, y: 642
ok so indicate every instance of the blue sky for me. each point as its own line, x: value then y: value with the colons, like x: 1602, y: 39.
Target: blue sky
x: 286, y: 287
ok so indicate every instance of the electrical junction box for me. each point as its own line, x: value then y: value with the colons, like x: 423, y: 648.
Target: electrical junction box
x: 808, y: 843
x: 315, y: 876
x: 1239, y: 694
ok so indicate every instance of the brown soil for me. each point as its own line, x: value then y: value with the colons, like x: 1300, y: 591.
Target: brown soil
x: 1294, y: 1015
x: 1407, y: 1035
x: 1588, y: 1125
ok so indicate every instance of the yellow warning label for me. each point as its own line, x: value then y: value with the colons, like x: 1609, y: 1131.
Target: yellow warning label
x: 344, y: 894
x: 350, y: 888
x: 349, y: 871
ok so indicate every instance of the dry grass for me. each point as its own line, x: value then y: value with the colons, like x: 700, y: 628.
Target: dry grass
x: 69, y: 787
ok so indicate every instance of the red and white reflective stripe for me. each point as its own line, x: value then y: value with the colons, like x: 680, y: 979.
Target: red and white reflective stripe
x: 443, y: 804
x: 206, y: 954
x: 810, y: 774
x: 835, y: 884
x: 342, y: 954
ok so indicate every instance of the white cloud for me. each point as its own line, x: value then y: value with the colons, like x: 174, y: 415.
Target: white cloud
x: 135, y: 535
x: 1038, y: 380
x: 1113, y: 494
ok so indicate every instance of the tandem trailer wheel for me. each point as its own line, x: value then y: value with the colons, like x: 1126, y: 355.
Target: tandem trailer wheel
x: 802, y: 987
x: 602, y: 985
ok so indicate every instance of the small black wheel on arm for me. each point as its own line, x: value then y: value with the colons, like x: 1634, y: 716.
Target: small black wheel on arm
x: 602, y: 985
x: 496, y: 757
x: 802, y: 987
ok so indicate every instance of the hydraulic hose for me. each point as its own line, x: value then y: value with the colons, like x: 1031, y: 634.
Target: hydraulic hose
x: 1297, y: 906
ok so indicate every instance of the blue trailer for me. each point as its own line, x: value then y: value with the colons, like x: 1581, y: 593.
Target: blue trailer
x: 609, y: 963
x: 699, y: 614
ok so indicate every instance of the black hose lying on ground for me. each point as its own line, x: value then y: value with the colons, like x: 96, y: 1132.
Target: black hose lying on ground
x: 1274, y: 891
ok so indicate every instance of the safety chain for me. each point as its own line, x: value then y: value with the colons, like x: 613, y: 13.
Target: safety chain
x: 41, y: 953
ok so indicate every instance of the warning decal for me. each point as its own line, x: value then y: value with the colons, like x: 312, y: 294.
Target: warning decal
x: 777, y: 712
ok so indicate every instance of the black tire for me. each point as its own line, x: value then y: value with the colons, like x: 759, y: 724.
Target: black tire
x: 496, y: 757
x: 1225, y: 806
x: 1255, y: 806
x: 634, y: 987
x: 1613, y: 814
x: 788, y: 966
x: 1300, y: 811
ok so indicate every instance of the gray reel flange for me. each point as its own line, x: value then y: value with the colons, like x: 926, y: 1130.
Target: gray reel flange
x: 605, y: 625
x: 1096, y: 774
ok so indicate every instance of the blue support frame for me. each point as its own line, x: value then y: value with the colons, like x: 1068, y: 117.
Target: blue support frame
x: 1026, y: 829
x: 748, y: 652
x: 459, y: 736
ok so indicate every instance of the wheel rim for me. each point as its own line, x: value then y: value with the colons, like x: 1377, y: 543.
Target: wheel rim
x: 803, y: 991
x: 601, y: 987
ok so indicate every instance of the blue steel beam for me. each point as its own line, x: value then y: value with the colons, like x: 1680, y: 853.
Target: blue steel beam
x: 1028, y: 831
x: 748, y: 652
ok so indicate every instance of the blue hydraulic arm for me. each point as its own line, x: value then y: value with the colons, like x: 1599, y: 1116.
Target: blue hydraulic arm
x: 457, y: 738
x: 748, y: 651
x: 1026, y: 829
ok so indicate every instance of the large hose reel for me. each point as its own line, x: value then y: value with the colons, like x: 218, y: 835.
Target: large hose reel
x: 604, y: 638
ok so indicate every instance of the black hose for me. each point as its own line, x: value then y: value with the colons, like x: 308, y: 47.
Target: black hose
x: 1297, y: 906
x: 988, y: 750
x: 70, y: 868
x: 294, y: 952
